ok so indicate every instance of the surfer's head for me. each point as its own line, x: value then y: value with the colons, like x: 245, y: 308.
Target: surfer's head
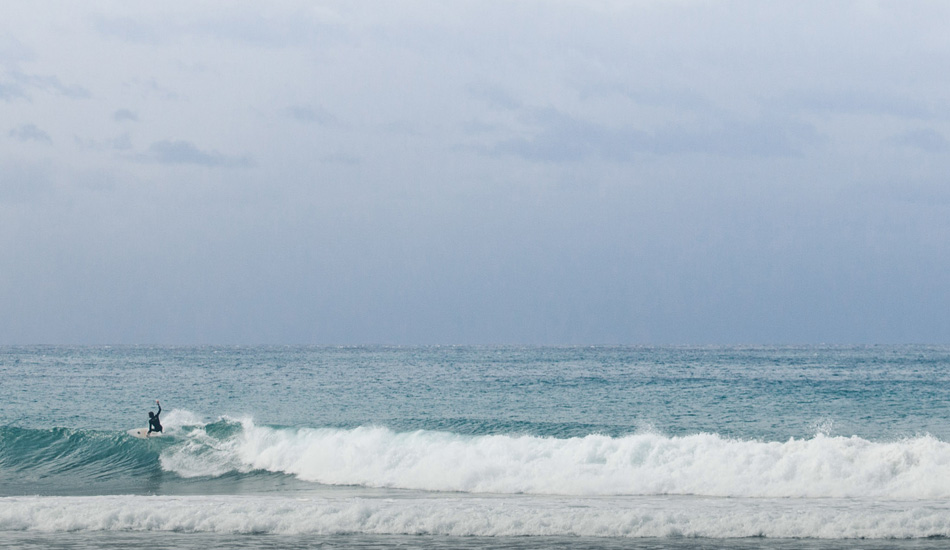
x: 151, y: 414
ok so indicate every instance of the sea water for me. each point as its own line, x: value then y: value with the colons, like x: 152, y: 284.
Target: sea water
x: 476, y: 447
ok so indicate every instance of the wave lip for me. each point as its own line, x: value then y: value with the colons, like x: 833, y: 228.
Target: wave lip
x: 482, y: 516
x: 595, y: 465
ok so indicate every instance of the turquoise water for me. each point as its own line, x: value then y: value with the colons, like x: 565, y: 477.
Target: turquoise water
x: 469, y: 446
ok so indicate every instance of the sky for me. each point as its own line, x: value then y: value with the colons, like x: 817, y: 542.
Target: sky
x: 484, y: 172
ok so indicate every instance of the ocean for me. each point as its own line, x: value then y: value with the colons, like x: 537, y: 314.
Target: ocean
x: 476, y: 447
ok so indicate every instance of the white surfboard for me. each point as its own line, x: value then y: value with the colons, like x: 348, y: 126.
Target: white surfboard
x: 142, y: 433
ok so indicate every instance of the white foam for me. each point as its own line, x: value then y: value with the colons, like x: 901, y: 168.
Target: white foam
x: 178, y: 418
x: 483, y: 516
x: 641, y: 464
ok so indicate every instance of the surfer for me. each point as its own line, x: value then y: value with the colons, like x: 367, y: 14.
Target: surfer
x: 153, y: 423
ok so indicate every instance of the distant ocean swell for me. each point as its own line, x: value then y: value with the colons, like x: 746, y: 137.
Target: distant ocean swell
x: 632, y: 517
x: 641, y: 464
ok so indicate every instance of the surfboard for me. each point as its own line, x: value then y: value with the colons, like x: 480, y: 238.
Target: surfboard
x: 142, y: 433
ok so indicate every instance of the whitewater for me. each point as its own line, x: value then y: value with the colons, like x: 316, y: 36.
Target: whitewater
x: 594, y: 465
x: 477, y: 447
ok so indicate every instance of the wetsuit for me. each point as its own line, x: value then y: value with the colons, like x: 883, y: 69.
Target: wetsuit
x: 153, y: 424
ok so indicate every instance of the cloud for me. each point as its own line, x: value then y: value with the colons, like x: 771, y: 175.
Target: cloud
x: 51, y: 84
x: 128, y: 29
x: 183, y: 152
x: 13, y: 52
x: 495, y: 97
x: 310, y: 115
x: 122, y: 143
x: 857, y: 102
x: 558, y: 137
x: 29, y: 132
x: 276, y: 30
x: 149, y: 87
x: 125, y: 114
x: 927, y: 140
x: 342, y: 159
x: 10, y: 91
x: 18, y: 84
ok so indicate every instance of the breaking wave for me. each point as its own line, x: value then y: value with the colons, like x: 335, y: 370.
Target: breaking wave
x: 638, y: 464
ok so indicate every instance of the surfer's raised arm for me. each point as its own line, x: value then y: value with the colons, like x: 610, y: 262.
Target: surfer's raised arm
x: 159, y: 408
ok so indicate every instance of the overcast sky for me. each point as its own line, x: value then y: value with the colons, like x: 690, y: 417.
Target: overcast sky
x: 477, y: 172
